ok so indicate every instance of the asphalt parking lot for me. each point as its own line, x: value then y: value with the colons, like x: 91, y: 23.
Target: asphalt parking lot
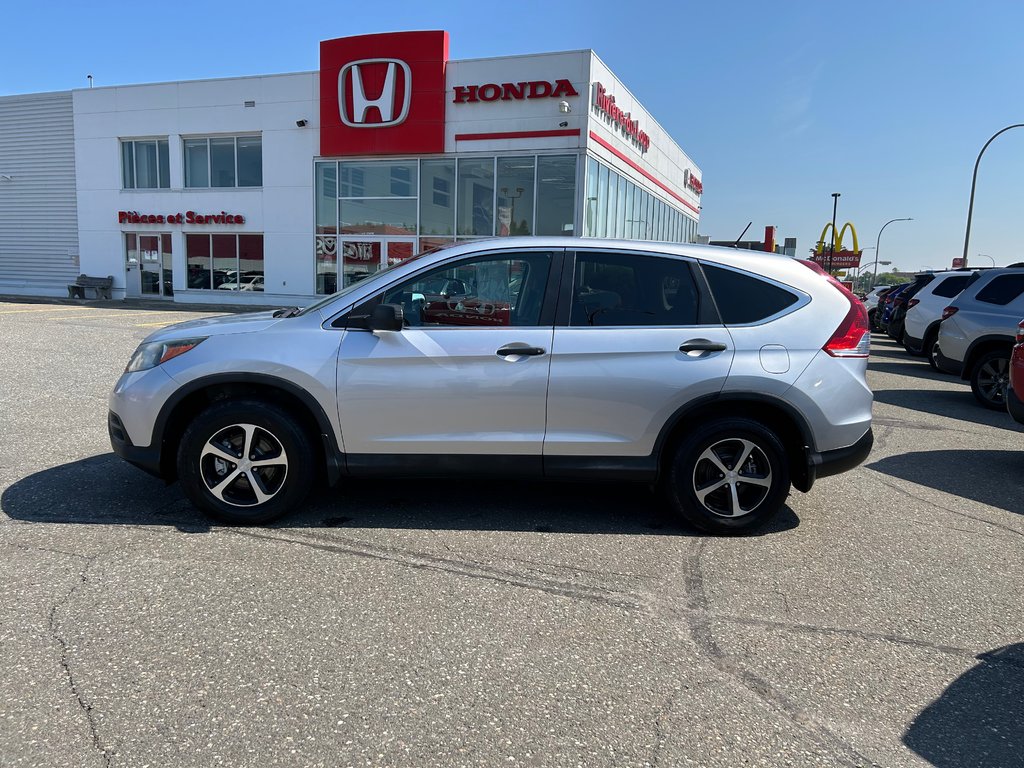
x: 879, y: 621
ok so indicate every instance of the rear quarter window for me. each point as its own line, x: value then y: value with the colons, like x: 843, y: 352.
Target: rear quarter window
x: 1002, y: 290
x: 951, y: 286
x: 743, y: 298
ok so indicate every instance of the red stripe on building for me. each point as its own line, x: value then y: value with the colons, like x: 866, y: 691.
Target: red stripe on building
x: 516, y: 135
x: 624, y: 158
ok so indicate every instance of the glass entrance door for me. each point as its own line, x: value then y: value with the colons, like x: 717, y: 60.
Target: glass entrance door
x: 148, y: 269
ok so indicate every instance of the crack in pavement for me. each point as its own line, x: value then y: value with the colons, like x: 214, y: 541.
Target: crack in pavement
x: 85, y: 706
x: 698, y: 622
x: 424, y: 561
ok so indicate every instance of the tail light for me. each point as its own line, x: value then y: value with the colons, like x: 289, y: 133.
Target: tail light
x: 913, y: 303
x: 948, y: 312
x: 1020, y: 332
x: 853, y: 336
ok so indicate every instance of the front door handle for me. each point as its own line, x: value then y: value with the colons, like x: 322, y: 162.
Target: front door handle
x: 528, y: 351
x: 701, y: 345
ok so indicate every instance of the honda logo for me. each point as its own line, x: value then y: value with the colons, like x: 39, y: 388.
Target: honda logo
x: 388, y: 104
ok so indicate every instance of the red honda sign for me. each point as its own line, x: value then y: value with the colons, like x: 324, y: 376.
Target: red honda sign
x: 383, y: 94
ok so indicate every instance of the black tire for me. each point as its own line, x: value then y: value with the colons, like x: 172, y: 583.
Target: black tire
x: 231, y: 491
x: 990, y: 377
x: 692, y: 471
x: 931, y: 350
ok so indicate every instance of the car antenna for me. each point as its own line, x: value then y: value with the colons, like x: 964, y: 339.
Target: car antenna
x: 737, y: 243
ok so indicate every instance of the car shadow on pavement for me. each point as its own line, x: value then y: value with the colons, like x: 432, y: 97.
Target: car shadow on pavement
x: 979, y: 719
x: 995, y: 478
x: 920, y: 370
x: 104, y: 490
x: 954, y: 405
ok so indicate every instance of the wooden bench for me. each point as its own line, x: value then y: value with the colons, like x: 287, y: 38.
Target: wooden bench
x: 101, y: 285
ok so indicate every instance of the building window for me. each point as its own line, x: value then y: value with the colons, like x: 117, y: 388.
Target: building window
x: 224, y: 161
x: 224, y: 262
x: 145, y: 164
x: 556, y: 195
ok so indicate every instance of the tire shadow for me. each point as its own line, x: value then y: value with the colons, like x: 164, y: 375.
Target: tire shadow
x: 955, y: 405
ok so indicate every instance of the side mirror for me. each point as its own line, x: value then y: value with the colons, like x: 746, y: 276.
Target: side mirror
x: 387, y: 317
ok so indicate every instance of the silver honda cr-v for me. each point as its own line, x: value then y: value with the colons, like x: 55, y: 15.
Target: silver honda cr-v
x: 724, y: 376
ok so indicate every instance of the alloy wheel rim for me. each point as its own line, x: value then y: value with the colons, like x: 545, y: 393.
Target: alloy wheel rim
x: 243, y: 465
x: 732, y: 477
x: 993, y: 378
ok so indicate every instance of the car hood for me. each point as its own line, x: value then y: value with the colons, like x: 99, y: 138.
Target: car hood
x: 249, y: 322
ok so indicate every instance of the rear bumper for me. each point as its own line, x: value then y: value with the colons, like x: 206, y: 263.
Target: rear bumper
x: 912, y: 344
x: 829, y: 463
x: 948, y: 364
x: 1014, y: 406
x: 146, y: 459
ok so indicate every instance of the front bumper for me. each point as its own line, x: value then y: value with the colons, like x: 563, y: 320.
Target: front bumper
x: 146, y: 459
x: 1014, y: 406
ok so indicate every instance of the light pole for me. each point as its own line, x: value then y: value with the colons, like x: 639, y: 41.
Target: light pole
x: 832, y: 252
x: 974, y: 183
x: 986, y: 256
x: 874, y: 278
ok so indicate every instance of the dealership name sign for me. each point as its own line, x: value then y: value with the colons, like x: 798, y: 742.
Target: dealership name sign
x: 189, y: 217
x: 533, y: 89
x: 623, y: 121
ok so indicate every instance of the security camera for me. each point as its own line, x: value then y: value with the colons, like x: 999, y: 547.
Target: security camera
x: 302, y: 123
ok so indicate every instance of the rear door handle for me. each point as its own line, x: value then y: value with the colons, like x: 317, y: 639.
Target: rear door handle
x: 701, y: 345
x: 528, y: 351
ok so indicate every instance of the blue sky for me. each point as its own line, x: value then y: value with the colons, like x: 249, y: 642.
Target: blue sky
x: 780, y: 104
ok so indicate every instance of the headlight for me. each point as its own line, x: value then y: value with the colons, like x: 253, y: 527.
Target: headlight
x: 153, y: 354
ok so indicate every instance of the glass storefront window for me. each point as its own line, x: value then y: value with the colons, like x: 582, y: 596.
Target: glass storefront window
x: 360, y: 259
x: 225, y: 261
x: 378, y: 179
x: 437, y: 197
x: 222, y: 162
x: 326, y: 198
x: 378, y: 217
x: 326, y: 264
x: 197, y: 257
x: 602, y: 201
x: 620, y: 208
x: 631, y: 221
x: 590, y: 203
x: 197, y: 163
x: 250, y: 263
x: 475, y: 196
x: 250, y: 161
x: 515, y: 195
x: 556, y: 195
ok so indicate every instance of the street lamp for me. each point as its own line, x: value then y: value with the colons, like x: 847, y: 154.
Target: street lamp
x: 974, y: 183
x: 986, y: 256
x: 874, y: 278
x: 832, y: 253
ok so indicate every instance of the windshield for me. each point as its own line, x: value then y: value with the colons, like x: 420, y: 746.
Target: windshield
x: 349, y: 288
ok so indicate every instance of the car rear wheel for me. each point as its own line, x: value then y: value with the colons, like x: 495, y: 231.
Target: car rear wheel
x: 990, y: 378
x: 730, y: 475
x: 931, y: 350
x: 245, y: 462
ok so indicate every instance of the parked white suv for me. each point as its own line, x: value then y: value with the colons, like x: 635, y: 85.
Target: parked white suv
x: 924, y: 313
x: 978, y: 331
x: 725, y: 376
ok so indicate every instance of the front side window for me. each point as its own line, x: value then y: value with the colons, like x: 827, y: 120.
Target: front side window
x: 625, y: 289
x: 489, y: 292
x: 145, y: 164
x: 224, y: 161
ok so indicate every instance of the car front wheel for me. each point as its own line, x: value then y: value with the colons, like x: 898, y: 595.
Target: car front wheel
x: 245, y: 462
x: 990, y: 378
x: 730, y: 475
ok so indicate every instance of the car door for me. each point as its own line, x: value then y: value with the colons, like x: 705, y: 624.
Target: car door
x: 640, y: 338
x: 466, y: 376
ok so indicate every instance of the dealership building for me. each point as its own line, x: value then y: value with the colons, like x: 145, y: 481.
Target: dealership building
x: 273, y: 189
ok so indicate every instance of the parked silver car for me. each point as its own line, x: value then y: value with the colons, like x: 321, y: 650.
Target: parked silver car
x: 978, y: 330
x: 924, y: 313
x: 724, y: 376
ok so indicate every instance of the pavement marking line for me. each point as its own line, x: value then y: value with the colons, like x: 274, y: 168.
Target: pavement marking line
x: 149, y: 325
x: 48, y: 309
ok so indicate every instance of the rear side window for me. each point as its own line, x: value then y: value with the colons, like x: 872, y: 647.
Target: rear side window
x: 622, y: 289
x: 743, y: 298
x: 1002, y: 290
x: 951, y: 286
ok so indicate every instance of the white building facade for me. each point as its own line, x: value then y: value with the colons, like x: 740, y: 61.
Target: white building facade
x: 274, y: 189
